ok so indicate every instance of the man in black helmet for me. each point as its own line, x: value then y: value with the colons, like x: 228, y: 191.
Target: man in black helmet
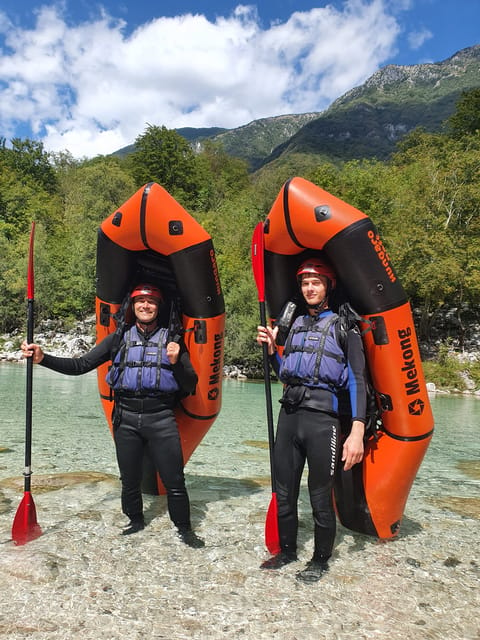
x: 149, y: 372
x: 314, y: 367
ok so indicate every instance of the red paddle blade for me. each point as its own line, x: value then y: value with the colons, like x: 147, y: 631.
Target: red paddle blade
x: 258, y: 248
x: 25, y: 526
x: 30, y: 273
x: 272, y: 537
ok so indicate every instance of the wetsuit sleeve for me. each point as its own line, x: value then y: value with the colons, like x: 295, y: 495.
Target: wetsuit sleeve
x: 183, y: 371
x: 76, y: 366
x: 357, y: 387
x: 275, y: 361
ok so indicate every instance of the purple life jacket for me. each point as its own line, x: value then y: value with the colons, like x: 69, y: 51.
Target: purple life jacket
x: 141, y: 366
x: 312, y: 356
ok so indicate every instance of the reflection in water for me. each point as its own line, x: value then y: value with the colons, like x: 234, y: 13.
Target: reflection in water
x: 80, y: 578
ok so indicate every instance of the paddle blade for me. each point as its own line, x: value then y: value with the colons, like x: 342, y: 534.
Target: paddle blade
x: 25, y: 526
x: 30, y: 273
x: 258, y: 267
x: 272, y: 537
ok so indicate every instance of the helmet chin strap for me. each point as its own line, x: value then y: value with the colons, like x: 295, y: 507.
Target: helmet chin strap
x: 145, y: 326
x: 320, y: 306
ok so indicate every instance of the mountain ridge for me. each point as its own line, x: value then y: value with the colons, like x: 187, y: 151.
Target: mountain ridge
x: 369, y: 120
x: 365, y: 122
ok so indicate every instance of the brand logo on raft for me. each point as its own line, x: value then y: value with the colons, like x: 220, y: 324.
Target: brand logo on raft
x: 216, y: 366
x: 215, y: 272
x: 409, y: 367
x: 416, y: 407
x: 213, y: 394
x: 382, y: 255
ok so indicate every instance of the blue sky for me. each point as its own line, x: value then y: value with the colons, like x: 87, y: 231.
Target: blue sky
x: 89, y: 76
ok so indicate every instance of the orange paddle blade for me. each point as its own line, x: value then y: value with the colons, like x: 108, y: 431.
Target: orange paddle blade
x: 272, y: 537
x: 25, y: 526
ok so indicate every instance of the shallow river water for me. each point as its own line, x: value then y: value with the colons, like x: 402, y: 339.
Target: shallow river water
x: 82, y: 579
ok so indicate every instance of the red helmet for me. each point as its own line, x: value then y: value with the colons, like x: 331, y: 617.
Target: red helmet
x: 315, y: 266
x: 147, y: 290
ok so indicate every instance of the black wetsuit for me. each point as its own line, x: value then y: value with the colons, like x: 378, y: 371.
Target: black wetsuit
x: 139, y: 421
x: 308, y: 432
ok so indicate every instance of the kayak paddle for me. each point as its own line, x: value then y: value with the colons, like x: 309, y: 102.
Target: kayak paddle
x: 272, y: 539
x: 25, y: 526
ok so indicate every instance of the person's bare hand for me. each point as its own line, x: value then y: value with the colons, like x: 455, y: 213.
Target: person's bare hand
x: 32, y: 350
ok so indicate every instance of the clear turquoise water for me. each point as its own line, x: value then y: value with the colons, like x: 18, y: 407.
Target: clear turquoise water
x: 70, y: 432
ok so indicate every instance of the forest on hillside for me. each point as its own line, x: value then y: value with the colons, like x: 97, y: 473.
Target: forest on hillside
x: 425, y: 202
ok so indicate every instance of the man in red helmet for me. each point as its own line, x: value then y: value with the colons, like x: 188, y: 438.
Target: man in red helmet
x: 315, y: 367
x: 149, y: 373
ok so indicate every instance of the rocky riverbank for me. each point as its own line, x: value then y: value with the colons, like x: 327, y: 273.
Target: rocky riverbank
x: 53, y: 337
x: 81, y: 337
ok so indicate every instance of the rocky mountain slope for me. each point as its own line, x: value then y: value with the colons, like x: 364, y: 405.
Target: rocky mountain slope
x: 367, y: 121
x: 256, y: 141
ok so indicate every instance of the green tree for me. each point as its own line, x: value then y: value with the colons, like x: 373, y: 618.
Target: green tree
x: 29, y: 159
x: 433, y: 229
x: 328, y: 177
x: 231, y: 228
x: 220, y: 177
x: 162, y: 155
x: 466, y: 119
x: 13, y: 282
x: 22, y: 201
x: 90, y: 192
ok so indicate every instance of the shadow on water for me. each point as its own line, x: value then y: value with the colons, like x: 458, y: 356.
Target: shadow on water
x: 204, y: 490
x: 225, y: 486
x: 361, y: 542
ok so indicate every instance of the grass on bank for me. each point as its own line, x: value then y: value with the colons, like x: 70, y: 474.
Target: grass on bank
x: 448, y: 371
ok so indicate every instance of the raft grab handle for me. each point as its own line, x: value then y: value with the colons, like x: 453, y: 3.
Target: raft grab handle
x: 104, y: 318
x: 199, y: 331
x: 379, y: 330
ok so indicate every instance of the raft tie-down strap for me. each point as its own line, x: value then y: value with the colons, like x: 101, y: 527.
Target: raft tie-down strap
x: 288, y: 221
x: 143, y: 214
x: 424, y: 436
x: 195, y: 416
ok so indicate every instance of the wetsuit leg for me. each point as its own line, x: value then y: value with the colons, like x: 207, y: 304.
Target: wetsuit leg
x: 161, y: 432
x: 289, y: 459
x: 320, y: 434
x: 129, y: 446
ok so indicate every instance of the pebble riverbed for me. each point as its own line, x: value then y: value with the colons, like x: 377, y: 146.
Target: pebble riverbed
x: 82, y: 579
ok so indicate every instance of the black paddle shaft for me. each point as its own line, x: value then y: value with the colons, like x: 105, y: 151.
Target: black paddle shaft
x: 268, y: 395
x: 29, y: 388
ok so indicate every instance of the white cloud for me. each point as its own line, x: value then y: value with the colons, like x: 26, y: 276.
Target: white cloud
x: 91, y: 88
x: 417, y: 38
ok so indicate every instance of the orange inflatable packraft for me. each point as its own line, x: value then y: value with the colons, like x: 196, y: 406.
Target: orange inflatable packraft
x: 151, y: 238
x: 304, y: 218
